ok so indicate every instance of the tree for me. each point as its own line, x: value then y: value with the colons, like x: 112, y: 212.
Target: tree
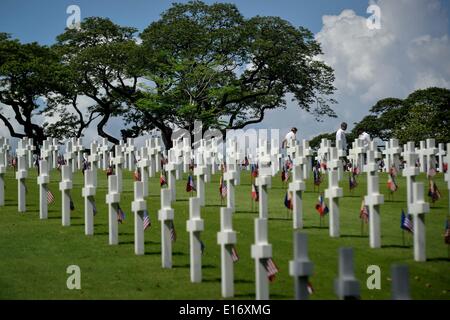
x: 104, y: 64
x: 428, y: 116
x: 26, y: 78
x: 209, y: 63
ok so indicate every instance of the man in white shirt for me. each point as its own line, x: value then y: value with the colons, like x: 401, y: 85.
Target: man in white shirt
x: 340, y: 135
x: 289, y: 137
x: 365, y: 137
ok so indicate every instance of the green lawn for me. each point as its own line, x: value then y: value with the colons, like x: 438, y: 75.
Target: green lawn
x: 34, y: 253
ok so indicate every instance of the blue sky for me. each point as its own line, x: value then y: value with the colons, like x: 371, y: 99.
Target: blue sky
x: 410, y: 51
x: 42, y: 21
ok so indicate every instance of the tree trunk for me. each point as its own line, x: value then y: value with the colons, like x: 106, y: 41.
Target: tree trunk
x: 102, y: 133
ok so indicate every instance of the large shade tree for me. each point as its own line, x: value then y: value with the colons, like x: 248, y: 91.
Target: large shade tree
x: 103, y: 62
x: 209, y: 63
x: 27, y: 79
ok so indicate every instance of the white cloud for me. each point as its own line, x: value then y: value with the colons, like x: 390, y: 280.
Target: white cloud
x: 411, y: 51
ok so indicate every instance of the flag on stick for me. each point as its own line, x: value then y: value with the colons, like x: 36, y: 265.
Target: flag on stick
x: 50, y: 197
x: 234, y: 254
x: 406, y: 223
x: 321, y: 206
x: 173, y: 233
x: 190, y: 186
x: 120, y: 215
x: 364, y: 212
x: 271, y: 268
x: 255, y: 193
x: 288, y: 201
x: 147, y: 222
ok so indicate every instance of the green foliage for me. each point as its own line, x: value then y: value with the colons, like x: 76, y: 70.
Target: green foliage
x: 209, y: 63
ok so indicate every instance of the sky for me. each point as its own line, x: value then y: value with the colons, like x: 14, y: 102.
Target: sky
x: 409, y: 51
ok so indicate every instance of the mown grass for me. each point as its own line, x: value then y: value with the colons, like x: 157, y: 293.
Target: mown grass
x: 35, y: 253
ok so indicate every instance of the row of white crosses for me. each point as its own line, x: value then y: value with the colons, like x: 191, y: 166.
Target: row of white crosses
x: 323, y: 153
x: 4, y: 149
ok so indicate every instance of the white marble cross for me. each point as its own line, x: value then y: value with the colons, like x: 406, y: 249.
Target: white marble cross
x: 260, y: 251
x: 447, y: 174
x: 151, y: 151
x: 157, y: 154
x: 113, y: 200
x: 46, y: 152
x: 3, y: 166
x: 131, y: 151
x: 118, y: 162
x: 441, y: 154
x: 410, y: 171
x: 94, y: 159
x: 78, y: 148
x: 301, y: 267
x: 418, y: 209
x: 333, y: 193
x: 195, y: 225
x: 400, y: 282
x: 144, y: 165
x: 186, y: 154
x: 138, y: 206
x: 104, y: 149
x: 342, y: 154
x: 200, y: 172
x: 324, y: 151
x: 54, y: 149
x: 430, y: 154
x: 88, y: 192
x: 69, y: 155
x: 297, y: 186
x: 373, y: 199
x: 346, y: 286
x: 21, y: 175
x: 230, y: 176
x: 171, y: 167
x: 4, y: 146
x: 263, y: 182
x: 43, y: 179
x: 65, y: 186
x: 308, y: 154
x: 422, y: 156
x: 166, y: 215
x: 360, y: 150
x: 30, y: 149
x: 226, y: 238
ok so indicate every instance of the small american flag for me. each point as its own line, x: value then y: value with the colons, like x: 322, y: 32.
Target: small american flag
x: 364, y: 212
x: 173, y: 233
x: 271, y: 268
x: 94, y: 208
x: 234, y: 254
x: 147, y: 222
x: 447, y: 232
x: 406, y: 223
x: 50, y: 197
x: 120, y: 215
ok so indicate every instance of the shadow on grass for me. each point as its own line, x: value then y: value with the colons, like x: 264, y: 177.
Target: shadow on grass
x: 246, y: 212
x: 71, y: 218
x: 146, y: 242
x: 354, y: 236
x: 242, y: 281
x: 315, y: 227
x: 280, y: 219
x: 153, y: 253
x: 395, y: 246
x: 211, y: 280
x: 438, y: 259
x: 245, y: 295
x: 187, y: 266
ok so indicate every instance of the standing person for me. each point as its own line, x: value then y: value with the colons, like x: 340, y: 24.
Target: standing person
x: 290, y: 136
x: 340, y: 136
x: 364, y: 136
